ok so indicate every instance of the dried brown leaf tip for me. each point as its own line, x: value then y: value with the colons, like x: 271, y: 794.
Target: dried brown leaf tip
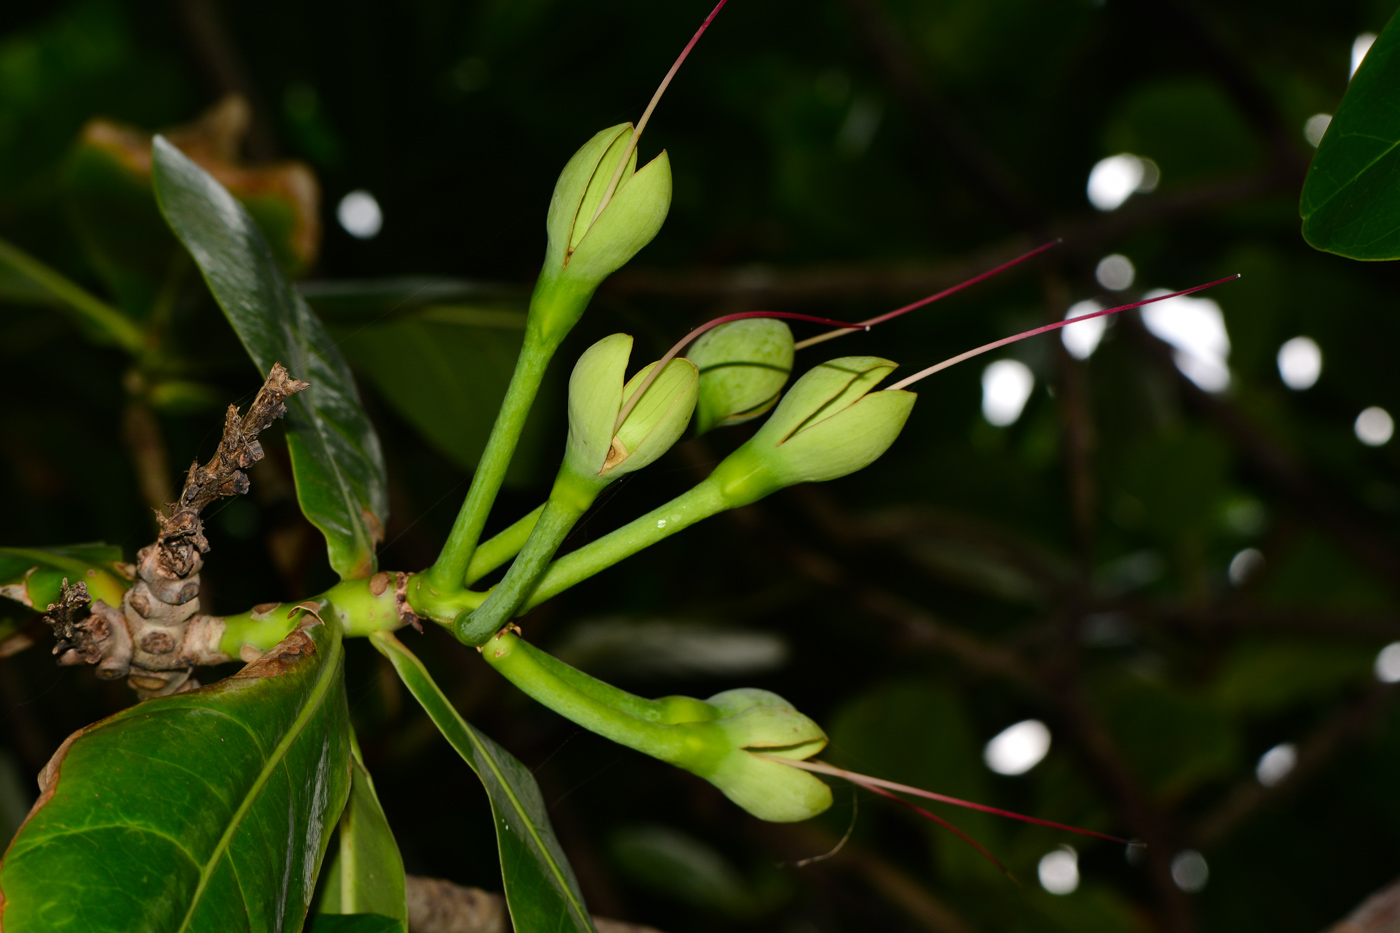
x: 182, y: 538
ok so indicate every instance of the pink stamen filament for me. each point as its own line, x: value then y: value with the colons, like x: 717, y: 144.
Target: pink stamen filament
x: 865, y: 780
x: 646, y: 114
x: 953, y: 361
x: 831, y: 335
x: 686, y: 340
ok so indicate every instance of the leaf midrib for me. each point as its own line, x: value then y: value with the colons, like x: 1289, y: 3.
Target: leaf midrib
x: 313, y: 703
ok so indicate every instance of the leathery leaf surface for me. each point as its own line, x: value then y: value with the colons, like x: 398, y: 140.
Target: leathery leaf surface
x: 205, y: 811
x: 336, y: 456
x: 541, y: 890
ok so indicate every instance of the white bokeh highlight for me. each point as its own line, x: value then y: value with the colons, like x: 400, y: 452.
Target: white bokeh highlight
x: 1359, y: 47
x: 1276, y: 764
x: 1059, y: 870
x: 359, y: 214
x: 1300, y: 363
x: 1374, y: 426
x: 1006, y: 387
x: 1244, y: 565
x: 1018, y: 748
x: 1388, y: 664
x: 1316, y: 126
x: 1115, y: 272
x: 1115, y: 179
x: 1190, y: 871
x: 1082, y: 339
x: 1195, y: 328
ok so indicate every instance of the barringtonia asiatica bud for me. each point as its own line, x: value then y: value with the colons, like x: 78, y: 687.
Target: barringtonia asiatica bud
x: 829, y: 424
x: 590, y: 250
x: 743, y: 367
x: 757, y: 721
x: 599, y: 449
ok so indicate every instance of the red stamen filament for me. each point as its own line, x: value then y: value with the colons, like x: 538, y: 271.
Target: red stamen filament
x: 953, y: 361
x: 646, y: 114
x: 842, y: 328
x: 941, y: 822
x: 831, y: 335
x: 866, y: 780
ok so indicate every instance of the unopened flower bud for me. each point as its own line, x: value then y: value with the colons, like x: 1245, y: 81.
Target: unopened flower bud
x: 829, y: 424
x: 590, y: 250
x: 756, y: 721
x: 600, y: 450
x: 743, y: 367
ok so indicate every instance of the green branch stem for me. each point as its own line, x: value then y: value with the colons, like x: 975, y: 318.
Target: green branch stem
x: 107, y: 320
x: 557, y: 303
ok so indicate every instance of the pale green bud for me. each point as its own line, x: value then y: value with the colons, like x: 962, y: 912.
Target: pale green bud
x: 763, y: 722
x: 586, y: 250
x: 743, y: 367
x: 596, y: 452
x: 829, y: 424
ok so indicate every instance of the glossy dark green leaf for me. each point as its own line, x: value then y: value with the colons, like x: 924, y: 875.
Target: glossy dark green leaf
x: 448, y: 380
x: 336, y: 456
x: 33, y: 576
x: 365, y: 876
x: 204, y: 811
x: 540, y: 888
x: 1351, y: 200
x: 353, y: 923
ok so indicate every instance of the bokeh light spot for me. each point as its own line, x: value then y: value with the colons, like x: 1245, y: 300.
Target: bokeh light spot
x: 1018, y: 748
x: 1195, y: 327
x: 1374, y: 426
x: 1115, y: 272
x: 1300, y: 363
x: 1082, y: 339
x: 359, y: 213
x: 1190, y: 871
x: 1059, y: 870
x: 1388, y: 664
x: 1359, y: 47
x: 1276, y: 764
x: 1244, y: 565
x: 1006, y: 387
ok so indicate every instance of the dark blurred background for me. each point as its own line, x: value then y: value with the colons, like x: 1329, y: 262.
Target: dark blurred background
x: 1169, y: 550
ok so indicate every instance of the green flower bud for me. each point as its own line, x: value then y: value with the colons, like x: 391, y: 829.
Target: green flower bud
x: 829, y: 424
x: 743, y: 367
x: 597, y: 454
x: 588, y: 250
x: 763, y: 722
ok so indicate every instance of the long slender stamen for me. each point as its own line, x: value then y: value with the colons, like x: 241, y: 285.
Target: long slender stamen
x: 831, y: 335
x: 941, y: 822
x: 953, y: 361
x: 864, y: 779
x: 686, y: 340
x: 646, y: 114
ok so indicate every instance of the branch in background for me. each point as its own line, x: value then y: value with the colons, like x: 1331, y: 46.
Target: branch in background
x: 1379, y: 913
x: 437, y: 906
x: 225, y: 70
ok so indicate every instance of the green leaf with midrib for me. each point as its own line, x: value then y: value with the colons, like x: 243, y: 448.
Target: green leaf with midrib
x: 336, y: 457
x: 1351, y: 200
x: 540, y: 887
x: 205, y: 811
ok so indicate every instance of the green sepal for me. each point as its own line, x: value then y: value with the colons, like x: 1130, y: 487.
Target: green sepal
x: 658, y: 419
x: 595, y: 398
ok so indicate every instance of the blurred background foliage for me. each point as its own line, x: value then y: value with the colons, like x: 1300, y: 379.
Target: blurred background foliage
x: 1189, y: 586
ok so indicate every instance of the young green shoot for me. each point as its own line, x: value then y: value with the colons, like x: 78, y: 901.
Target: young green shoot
x: 646, y: 114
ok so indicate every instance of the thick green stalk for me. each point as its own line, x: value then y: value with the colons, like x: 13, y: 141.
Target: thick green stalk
x: 495, y: 551
x: 555, y: 306
x: 354, y: 603
x: 699, y: 503
x: 675, y: 729
x: 569, y: 499
x: 116, y: 326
